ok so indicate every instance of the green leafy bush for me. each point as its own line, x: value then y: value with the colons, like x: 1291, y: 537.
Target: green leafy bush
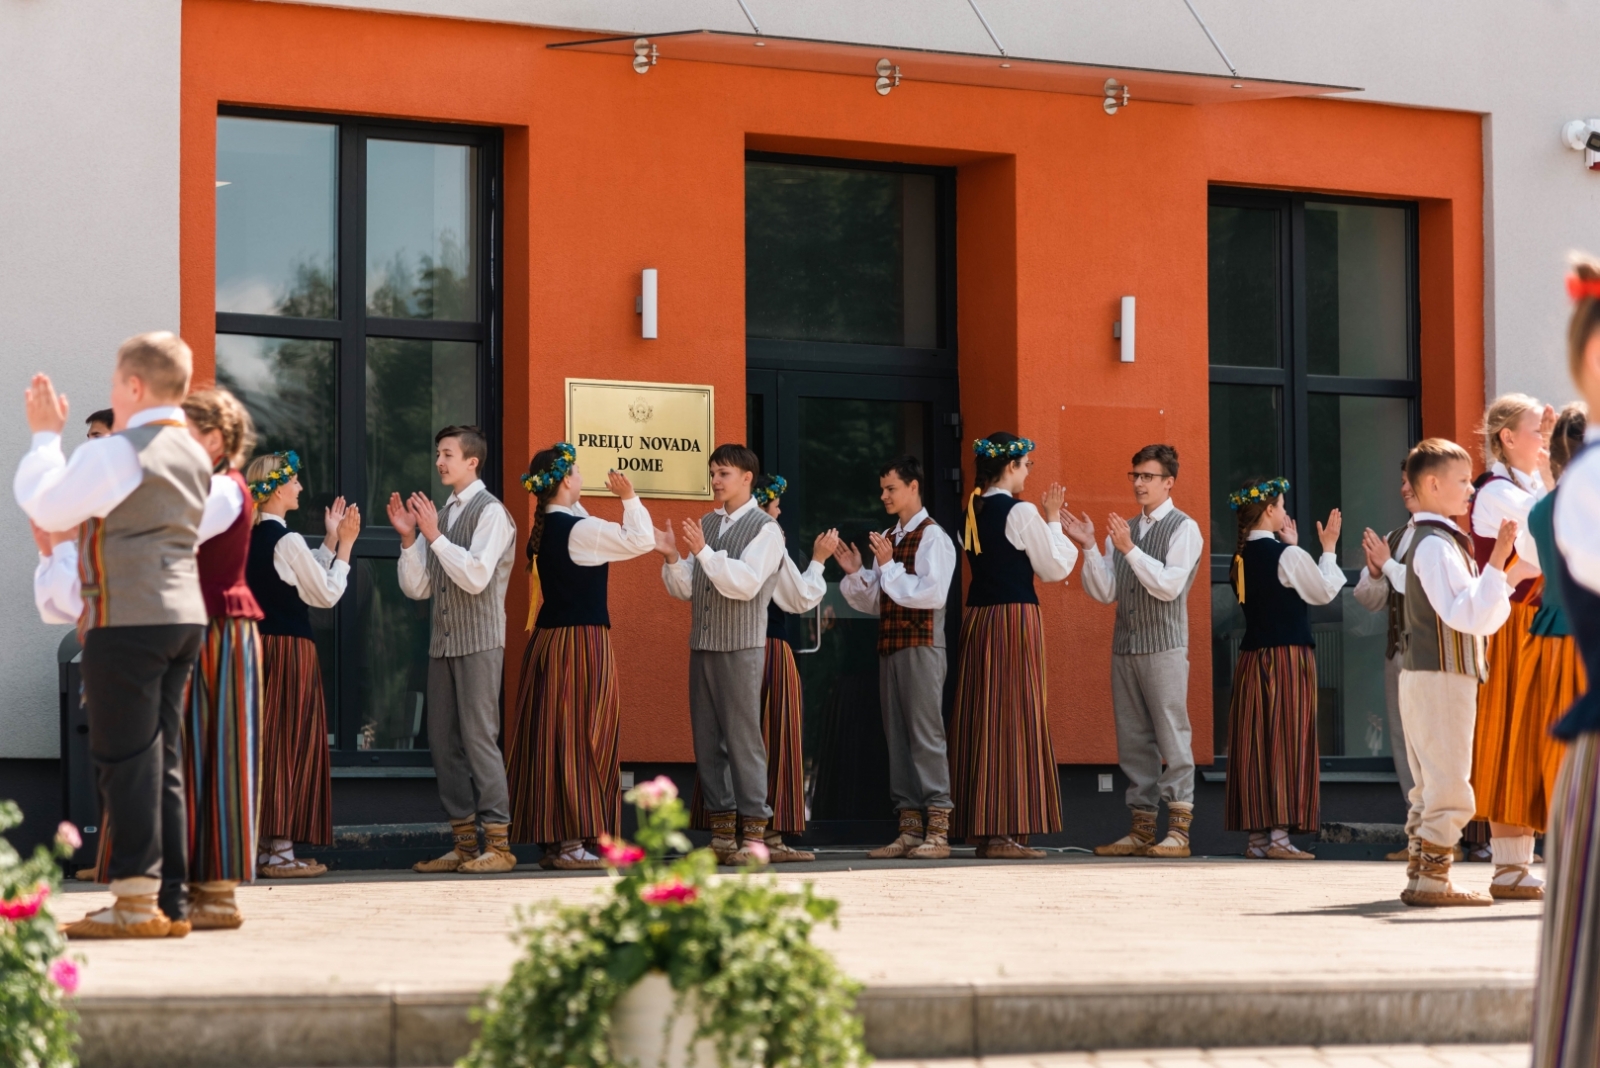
x: 761, y: 991
x: 36, y: 1027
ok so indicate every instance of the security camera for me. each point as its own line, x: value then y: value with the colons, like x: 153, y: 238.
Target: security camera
x: 1583, y: 135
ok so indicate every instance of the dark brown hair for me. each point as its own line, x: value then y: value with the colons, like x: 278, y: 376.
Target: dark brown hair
x: 1165, y: 455
x: 1567, y: 437
x: 987, y: 470
x: 735, y: 454
x: 217, y: 409
x: 474, y: 446
x: 1248, y: 514
x: 907, y: 469
x: 541, y: 460
x: 105, y: 416
x: 1585, y: 319
x: 1431, y: 454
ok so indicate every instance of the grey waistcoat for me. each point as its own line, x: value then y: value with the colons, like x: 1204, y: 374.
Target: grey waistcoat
x: 1144, y: 623
x: 137, y: 564
x: 1426, y: 644
x: 469, y: 622
x: 722, y: 625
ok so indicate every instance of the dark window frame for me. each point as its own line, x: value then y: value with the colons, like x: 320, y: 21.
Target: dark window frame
x: 350, y: 332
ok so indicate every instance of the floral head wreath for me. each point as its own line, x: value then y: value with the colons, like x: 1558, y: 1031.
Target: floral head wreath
x: 276, y: 478
x: 537, y: 482
x: 774, y: 489
x: 1261, y: 491
x: 1011, y: 450
x: 1578, y: 288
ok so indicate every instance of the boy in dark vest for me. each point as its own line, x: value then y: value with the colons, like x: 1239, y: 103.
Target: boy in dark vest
x: 728, y: 577
x: 139, y: 495
x: 463, y: 562
x: 907, y: 591
x: 1146, y: 572
x: 1449, y: 608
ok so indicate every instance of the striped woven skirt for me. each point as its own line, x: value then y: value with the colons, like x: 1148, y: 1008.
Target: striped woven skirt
x: 296, y: 784
x: 562, y: 760
x: 1549, y: 679
x: 1566, y: 1027
x: 1504, y: 794
x: 1272, y: 741
x: 783, y: 713
x: 1002, y: 765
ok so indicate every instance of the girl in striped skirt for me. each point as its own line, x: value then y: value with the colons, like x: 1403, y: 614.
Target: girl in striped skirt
x: 288, y: 579
x: 1566, y: 1028
x: 561, y: 761
x: 1272, y: 720
x: 1002, y: 765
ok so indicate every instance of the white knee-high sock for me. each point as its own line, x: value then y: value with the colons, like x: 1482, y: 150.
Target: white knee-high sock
x: 1513, y: 854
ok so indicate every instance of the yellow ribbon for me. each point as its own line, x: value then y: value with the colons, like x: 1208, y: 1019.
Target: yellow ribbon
x: 969, y: 540
x: 535, y: 592
x: 1238, y: 577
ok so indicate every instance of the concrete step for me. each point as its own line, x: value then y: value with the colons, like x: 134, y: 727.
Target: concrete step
x: 417, y: 1028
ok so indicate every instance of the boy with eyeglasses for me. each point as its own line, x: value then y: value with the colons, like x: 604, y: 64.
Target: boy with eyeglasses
x: 1146, y: 571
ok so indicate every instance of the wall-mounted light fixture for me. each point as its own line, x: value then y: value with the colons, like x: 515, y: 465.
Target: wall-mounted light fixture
x: 1583, y: 135
x: 644, y: 305
x: 1117, y: 96
x: 1123, y: 330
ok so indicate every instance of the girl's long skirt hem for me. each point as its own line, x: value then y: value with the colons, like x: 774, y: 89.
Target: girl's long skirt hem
x: 1272, y: 741
x: 1566, y: 1029
x: 1505, y: 793
x: 296, y: 779
x: 782, y: 723
x: 1549, y: 679
x: 562, y: 761
x: 1002, y: 764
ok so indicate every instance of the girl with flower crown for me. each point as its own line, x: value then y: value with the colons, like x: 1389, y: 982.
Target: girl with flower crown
x: 1002, y: 765
x: 1272, y: 719
x: 287, y: 579
x: 562, y: 754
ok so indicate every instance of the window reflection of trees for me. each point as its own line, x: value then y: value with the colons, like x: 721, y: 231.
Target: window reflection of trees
x: 394, y: 639
x: 443, y: 288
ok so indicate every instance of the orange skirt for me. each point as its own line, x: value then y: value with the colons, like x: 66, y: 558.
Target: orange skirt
x: 1549, y: 679
x: 1505, y: 794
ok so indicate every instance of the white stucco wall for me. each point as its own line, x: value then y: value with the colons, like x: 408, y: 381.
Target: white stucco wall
x: 88, y: 256
x: 89, y: 103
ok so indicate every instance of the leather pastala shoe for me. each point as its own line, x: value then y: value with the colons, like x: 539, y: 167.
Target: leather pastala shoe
x: 910, y: 837
x: 465, y: 849
x: 1140, y: 837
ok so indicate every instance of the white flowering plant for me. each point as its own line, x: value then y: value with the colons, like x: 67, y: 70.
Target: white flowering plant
x: 737, y: 951
x: 37, y: 1028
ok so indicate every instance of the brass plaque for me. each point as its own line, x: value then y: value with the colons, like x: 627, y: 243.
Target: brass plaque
x: 659, y: 434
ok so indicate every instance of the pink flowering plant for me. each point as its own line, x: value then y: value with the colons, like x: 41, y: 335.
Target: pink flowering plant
x: 737, y: 950
x: 37, y: 1028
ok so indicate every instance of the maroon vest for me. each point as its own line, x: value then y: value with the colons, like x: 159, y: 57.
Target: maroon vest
x: 222, y: 562
x: 1483, y: 548
x: 900, y: 627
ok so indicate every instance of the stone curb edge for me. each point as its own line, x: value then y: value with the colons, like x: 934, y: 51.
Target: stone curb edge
x: 419, y: 1030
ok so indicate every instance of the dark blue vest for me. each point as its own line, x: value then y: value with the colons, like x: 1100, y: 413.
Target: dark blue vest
x: 1002, y: 573
x: 777, y: 623
x: 1274, y: 614
x: 286, y: 614
x: 1583, y: 618
x: 574, y: 595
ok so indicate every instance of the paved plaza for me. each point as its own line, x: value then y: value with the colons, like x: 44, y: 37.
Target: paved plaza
x: 1512, y: 1055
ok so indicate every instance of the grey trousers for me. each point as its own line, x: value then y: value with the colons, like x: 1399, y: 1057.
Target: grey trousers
x: 1397, y: 730
x: 911, y: 692
x: 1150, y: 697
x: 463, y: 732
x: 725, y: 715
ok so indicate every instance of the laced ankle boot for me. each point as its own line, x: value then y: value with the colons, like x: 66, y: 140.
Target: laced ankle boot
x: 936, y: 842
x: 497, y: 858
x: 465, y: 849
x: 1180, y: 816
x: 752, y: 829
x: 1137, y: 842
x: 724, y: 826
x: 910, y: 836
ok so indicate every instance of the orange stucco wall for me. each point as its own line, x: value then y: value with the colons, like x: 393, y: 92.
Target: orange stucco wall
x: 1061, y: 210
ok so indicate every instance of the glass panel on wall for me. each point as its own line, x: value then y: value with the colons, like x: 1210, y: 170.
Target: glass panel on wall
x: 288, y: 386
x: 1243, y: 299
x: 843, y: 442
x: 277, y: 217
x: 1358, y: 444
x: 414, y: 389
x: 840, y: 255
x: 394, y: 659
x: 1357, y: 300
x: 421, y: 230
x: 1246, y: 443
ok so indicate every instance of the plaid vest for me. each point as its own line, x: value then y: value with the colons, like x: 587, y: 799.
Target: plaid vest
x: 900, y: 627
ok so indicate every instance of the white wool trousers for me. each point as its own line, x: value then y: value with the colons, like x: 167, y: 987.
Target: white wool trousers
x: 1438, y: 710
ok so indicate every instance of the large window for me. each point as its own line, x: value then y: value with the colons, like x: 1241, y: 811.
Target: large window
x: 1313, y: 342
x: 356, y: 300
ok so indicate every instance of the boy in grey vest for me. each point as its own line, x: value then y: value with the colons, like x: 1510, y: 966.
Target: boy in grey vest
x: 728, y: 576
x: 463, y: 561
x: 1147, y: 571
x: 138, y: 495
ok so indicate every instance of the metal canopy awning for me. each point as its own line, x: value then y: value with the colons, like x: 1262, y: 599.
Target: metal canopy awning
x: 912, y: 65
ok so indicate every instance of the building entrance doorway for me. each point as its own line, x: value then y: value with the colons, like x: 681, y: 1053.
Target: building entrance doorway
x: 850, y: 363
